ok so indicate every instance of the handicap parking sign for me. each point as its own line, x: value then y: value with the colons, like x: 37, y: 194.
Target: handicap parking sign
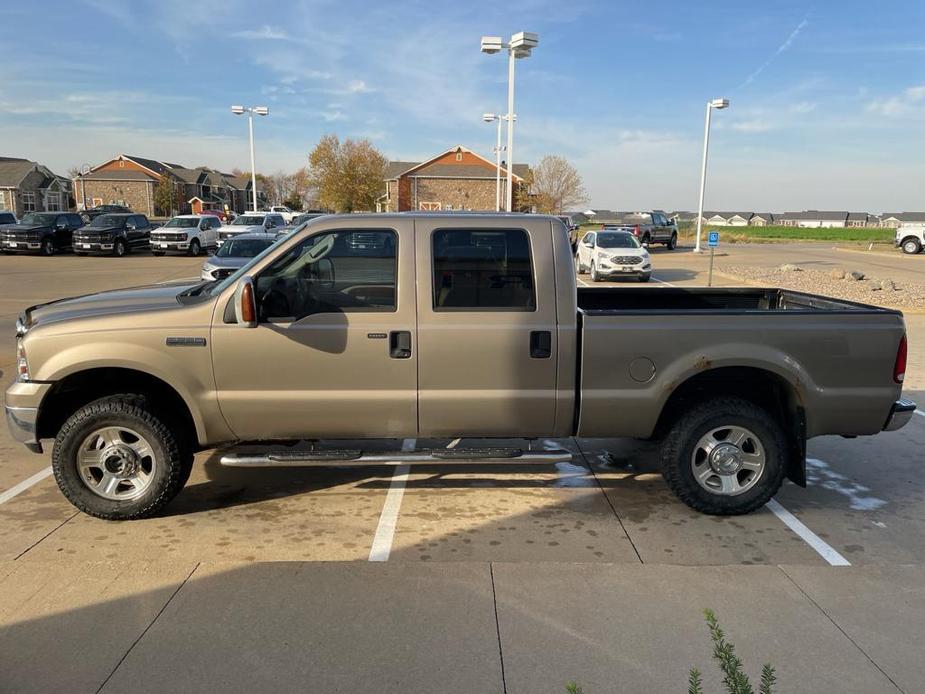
x: 713, y: 238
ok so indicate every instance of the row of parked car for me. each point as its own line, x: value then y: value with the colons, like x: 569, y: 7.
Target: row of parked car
x: 119, y: 232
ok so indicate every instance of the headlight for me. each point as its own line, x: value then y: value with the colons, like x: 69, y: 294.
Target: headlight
x: 22, y: 365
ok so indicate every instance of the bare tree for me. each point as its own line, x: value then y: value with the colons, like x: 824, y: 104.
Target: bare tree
x: 347, y: 176
x: 556, y: 186
x: 279, y: 184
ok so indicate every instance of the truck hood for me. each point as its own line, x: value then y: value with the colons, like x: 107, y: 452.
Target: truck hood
x: 97, y: 230
x: 24, y: 228
x: 148, y: 298
x: 239, y: 228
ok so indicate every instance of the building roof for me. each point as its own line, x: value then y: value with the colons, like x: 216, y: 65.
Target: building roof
x: 187, y: 175
x: 399, y: 168
x: 120, y: 175
x: 765, y: 215
x: 905, y: 216
x: 13, y: 171
x: 858, y: 216
x: 152, y: 164
x: 457, y: 171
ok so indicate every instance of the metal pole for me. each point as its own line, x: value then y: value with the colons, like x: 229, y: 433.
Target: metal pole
x: 510, y: 129
x: 703, y: 176
x: 498, y: 167
x: 250, y: 128
x: 710, y: 277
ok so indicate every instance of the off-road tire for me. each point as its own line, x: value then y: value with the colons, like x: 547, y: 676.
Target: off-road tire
x: 594, y: 276
x: 195, y: 248
x: 48, y: 247
x: 672, y: 242
x: 690, y: 425
x: 911, y: 246
x: 173, y: 456
x: 119, y: 248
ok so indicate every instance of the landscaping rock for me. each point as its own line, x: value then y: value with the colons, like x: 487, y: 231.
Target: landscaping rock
x: 855, y: 275
x: 837, y: 274
x: 790, y: 267
x: 887, y: 285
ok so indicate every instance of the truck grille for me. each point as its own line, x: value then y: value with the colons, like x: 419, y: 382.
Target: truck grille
x: 168, y: 237
x: 19, y: 236
x: 626, y: 260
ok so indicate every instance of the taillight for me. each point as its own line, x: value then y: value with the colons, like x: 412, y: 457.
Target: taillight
x: 899, y: 370
x: 636, y: 230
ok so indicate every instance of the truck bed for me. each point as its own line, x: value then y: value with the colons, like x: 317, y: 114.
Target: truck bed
x: 637, y: 346
x: 600, y: 300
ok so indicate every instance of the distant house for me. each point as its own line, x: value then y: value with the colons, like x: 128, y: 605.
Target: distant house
x: 898, y: 219
x: 860, y: 219
x: 131, y: 180
x: 762, y: 219
x: 683, y: 217
x: 739, y: 219
x: 716, y: 218
x: 26, y: 186
x: 814, y: 219
x: 457, y: 179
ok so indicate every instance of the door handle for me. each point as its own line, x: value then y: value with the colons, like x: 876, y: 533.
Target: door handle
x: 400, y: 344
x: 540, y: 344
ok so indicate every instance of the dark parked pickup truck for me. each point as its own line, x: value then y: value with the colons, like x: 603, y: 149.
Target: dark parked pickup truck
x: 40, y: 232
x: 442, y: 325
x: 114, y: 234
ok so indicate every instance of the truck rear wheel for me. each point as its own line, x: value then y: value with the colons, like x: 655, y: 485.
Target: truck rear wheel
x: 672, y: 242
x: 724, y: 457
x: 117, y: 460
x: 911, y: 246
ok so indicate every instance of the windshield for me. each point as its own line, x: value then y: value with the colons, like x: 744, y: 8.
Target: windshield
x: 35, y: 218
x: 108, y: 220
x: 248, y: 220
x: 243, y: 248
x: 183, y: 222
x: 616, y: 239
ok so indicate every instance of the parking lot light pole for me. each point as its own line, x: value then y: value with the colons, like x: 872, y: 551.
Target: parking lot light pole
x: 718, y: 104
x: 250, y: 111
x: 520, y: 46
x: 84, y: 170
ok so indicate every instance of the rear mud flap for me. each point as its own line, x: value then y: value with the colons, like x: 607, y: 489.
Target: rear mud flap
x: 796, y: 456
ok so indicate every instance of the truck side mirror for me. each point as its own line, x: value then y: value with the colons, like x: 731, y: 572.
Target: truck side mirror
x: 245, y: 303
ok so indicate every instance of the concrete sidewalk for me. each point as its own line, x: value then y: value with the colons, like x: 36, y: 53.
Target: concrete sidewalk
x: 450, y: 627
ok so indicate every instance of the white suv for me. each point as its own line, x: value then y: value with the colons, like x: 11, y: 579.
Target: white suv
x: 284, y: 211
x: 911, y: 238
x: 607, y: 254
x: 186, y: 233
x: 250, y: 222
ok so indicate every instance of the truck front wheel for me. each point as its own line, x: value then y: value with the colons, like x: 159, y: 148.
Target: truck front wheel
x: 117, y: 460
x: 724, y: 457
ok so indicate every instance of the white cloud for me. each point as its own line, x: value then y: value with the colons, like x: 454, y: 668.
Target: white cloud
x: 265, y: 33
x: 752, y: 126
x: 911, y: 99
x: 803, y: 107
x: 357, y: 87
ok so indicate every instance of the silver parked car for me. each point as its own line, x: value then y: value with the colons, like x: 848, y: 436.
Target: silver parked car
x: 235, y: 253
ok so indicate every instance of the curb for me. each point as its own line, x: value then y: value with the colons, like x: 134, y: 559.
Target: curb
x: 763, y: 285
x: 885, y: 254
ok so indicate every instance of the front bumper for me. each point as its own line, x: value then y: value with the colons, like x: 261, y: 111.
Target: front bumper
x: 92, y: 247
x: 23, y: 399
x: 20, y: 245
x: 624, y: 270
x: 900, y: 414
x: 169, y: 245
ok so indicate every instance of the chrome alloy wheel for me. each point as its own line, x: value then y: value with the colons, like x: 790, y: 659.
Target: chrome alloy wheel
x: 117, y: 463
x: 728, y: 460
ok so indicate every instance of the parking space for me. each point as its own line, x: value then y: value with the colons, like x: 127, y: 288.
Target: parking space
x: 567, y: 540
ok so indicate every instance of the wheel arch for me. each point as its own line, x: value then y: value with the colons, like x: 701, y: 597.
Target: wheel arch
x: 82, y: 387
x: 763, y: 387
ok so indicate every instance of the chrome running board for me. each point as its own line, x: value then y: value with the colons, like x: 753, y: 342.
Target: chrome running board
x: 357, y: 458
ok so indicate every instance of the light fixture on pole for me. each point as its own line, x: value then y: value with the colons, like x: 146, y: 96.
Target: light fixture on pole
x: 520, y: 46
x: 84, y: 170
x: 717, y: 104
x: 250, y: 111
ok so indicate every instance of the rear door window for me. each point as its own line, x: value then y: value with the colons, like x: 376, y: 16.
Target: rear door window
x: 482, y: 270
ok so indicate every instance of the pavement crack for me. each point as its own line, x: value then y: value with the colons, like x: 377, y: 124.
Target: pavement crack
x: 839, y: 627
x: 46, y: 535
x: 494, y: 599
x: 607, y: 499
x: 151, y: 624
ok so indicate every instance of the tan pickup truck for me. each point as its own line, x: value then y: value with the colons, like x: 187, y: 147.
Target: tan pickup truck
x: 442, y: 325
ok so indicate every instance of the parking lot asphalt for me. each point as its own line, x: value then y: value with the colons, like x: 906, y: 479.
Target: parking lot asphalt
x: 463, y: 579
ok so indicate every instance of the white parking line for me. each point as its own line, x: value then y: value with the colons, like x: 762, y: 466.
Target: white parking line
x: 920, y: 413
x: 388, y: 518
x: 824, y: 550
x: 669, y: 284
x: 24, y: 485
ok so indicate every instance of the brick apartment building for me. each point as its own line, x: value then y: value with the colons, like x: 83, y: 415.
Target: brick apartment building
x: 457, y: 179
x: 130, y: 180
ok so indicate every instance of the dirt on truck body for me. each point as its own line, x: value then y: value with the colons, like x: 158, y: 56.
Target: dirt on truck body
x: 442, y: 325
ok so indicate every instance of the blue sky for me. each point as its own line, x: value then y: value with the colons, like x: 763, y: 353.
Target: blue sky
x: 828, y: 98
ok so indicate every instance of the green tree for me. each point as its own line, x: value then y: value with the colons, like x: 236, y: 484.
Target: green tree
x: 165, y: 197
x: 347, y: 176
